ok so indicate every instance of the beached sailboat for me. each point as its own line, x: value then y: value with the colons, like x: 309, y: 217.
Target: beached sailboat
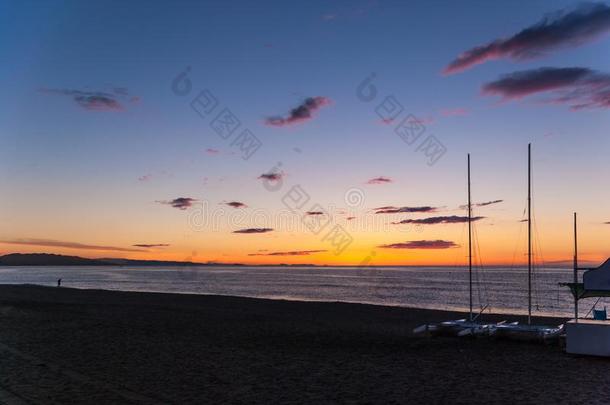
x: 460, y: 327
x: 515, y: 330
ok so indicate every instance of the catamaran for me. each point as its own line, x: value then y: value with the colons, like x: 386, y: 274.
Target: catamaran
x: 513, y: 330
x: 460, y: 327
x: 516, y: 330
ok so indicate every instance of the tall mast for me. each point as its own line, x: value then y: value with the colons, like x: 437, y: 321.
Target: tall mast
x: 469, y: 240
x: 575, y: 271
x: 529, y: 233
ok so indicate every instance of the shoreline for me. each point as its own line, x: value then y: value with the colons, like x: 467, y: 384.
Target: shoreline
x: 462, y: 312
x: 82, y: 346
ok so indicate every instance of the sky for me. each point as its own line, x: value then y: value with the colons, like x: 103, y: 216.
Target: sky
x: 322, y: 132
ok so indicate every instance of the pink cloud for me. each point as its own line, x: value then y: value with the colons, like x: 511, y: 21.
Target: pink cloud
x: 561, y: 30
x: 454, y: 112
x: 380, y: 180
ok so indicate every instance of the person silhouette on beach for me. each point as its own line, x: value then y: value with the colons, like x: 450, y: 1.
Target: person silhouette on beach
x: 59, y: 282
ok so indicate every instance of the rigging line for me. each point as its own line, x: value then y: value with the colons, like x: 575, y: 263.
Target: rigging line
x: 541, y: 261
x: 476, y: 271
x: 458, y: 253
x: 483, y: 275
x: 538, y: 252
x: 518, y: 241
x: 535, y: 249
x: 480, y: 274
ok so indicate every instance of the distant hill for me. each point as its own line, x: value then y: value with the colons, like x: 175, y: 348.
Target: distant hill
x: 46, y: 259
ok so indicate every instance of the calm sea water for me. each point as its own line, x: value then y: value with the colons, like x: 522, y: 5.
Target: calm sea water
x: 502, y: 290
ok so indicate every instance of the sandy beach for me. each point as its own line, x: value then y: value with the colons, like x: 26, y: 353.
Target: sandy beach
x: 61, y: 345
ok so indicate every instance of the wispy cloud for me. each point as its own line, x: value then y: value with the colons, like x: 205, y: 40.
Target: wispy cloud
x: 454, y: 112
x: 181, y: 203
x: 254, y: 230
x: 291, y: 253
x: 301, y: 113
x: 236, y: 204
x: 64, y: 244
x: 211, y: 151
x: 379, y: 180
x: 559, y: 30
x: 398, y: 210
x: 452, y: 219
x: 151, y: 245
x: 95, y: 100
x: 146, y: 177
x: 578, y: 87
x: 607, y: 223
x: 421, y: 244
x: 485, y: 203
x: 482, y: 204
x: 387, y: 121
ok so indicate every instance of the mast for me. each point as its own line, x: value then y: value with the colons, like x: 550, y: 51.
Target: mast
x: 575, y: 271
x: 529, y: 233
x: 469, y: 240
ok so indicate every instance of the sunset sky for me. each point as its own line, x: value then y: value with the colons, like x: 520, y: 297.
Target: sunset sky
x: 361, y: 111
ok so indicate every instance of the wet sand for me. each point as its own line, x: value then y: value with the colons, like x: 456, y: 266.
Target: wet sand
x: 61, y: 345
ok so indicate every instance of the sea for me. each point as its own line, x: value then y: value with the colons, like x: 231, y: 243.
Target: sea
x: 495, y: 290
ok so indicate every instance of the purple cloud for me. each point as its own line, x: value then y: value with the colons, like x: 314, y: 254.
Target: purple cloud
x: 562, y: 29
x: 146, y: 177
x: 453, y: 219
x: 271, y: 176
x: 577, y: 87
x: 211, y: 151
x: 301, y: 113
x: 236, y: 204
x: 398, y: 210
x: 379, y: 180
x: 181, y: 203
x: 421, y: 244
x: 254, y: 230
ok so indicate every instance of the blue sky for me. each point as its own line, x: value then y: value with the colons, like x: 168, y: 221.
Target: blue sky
x: 69, y: 171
